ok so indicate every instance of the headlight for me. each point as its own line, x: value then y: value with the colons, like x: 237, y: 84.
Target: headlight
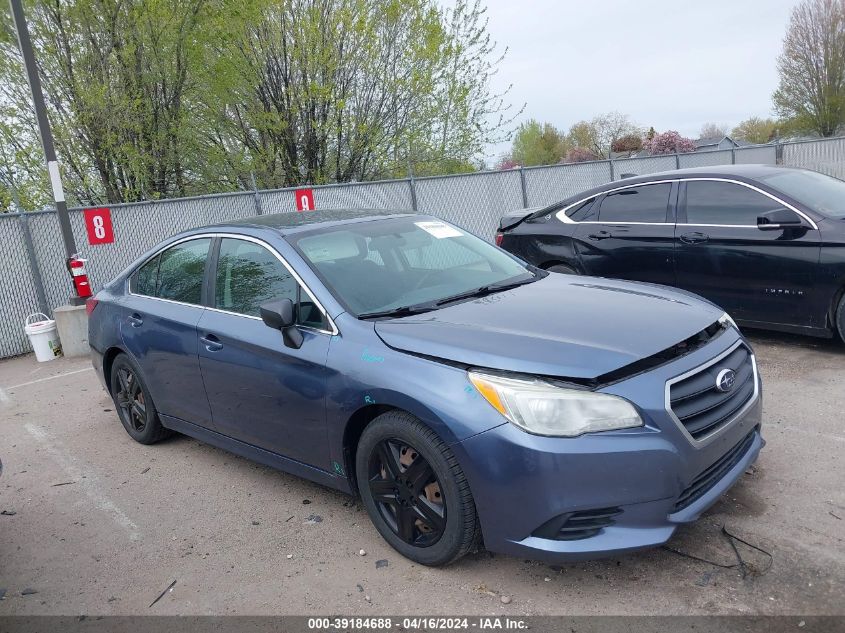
x: 727, y: 321
x: 544, y: 409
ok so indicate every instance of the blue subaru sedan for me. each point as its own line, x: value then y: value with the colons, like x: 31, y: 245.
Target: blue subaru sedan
x: 466, y: 396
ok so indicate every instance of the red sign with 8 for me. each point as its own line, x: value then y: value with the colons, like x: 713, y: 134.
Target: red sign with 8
x: 99, y: 227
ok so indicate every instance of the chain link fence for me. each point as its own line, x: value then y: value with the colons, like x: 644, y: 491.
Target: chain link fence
x: 31, y: 243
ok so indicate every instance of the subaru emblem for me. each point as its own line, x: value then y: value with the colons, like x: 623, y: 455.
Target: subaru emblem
x: 725, y: 380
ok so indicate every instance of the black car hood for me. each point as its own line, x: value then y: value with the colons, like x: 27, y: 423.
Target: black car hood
x: 561, y: 325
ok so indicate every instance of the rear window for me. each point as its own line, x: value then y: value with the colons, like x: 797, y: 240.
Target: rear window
x: 648, y: 203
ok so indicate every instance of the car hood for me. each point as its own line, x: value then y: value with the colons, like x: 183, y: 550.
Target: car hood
x: 562, y: 325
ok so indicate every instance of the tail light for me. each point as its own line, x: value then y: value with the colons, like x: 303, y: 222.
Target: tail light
x: 90, y: 304
x: 499, y: 237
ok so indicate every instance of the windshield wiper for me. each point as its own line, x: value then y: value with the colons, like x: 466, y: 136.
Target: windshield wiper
x: 399, y: 312
x: 487, y: 290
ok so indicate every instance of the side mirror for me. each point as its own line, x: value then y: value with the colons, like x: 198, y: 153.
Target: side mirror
x: 281, y: 315
x: 778, y: 219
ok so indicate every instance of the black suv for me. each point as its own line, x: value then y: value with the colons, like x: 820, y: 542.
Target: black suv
x: 766, y: 243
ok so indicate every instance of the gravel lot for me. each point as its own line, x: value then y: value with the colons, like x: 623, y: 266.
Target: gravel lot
x: 92, y: 523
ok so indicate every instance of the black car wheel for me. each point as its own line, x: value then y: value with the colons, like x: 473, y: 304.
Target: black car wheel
x: 564, y: 270
x: 414, y: 490
x: 135, y: 407
x: 840, y: 318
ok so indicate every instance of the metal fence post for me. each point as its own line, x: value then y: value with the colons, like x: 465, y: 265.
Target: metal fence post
x: 412, y: 183
x: 733, y: 156
x: 524, y: 187
x: 778, y: 152
x: 258, y: 208
x: 677, y: 160
x: 37, y: 279
x: 610, y: 163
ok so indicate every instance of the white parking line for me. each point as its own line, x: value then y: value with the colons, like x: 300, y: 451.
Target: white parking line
x: 89, y: 483
x: 4, y: 397
x: 33, y: 382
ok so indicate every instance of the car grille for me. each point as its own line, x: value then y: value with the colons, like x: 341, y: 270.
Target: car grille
x: 578, y: 525
x: 698, y: 403
x: 586, y: 523
x: 710, y: 477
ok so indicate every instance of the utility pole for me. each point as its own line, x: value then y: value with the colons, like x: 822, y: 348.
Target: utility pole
x: 44, y: 131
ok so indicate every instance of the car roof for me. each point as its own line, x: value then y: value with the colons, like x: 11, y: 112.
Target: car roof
x: 287, y: 223
x: 738, y: 172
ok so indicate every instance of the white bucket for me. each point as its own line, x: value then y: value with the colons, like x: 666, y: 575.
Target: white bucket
x: 43, y: 336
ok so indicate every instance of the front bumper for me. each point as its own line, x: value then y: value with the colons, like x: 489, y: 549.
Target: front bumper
x: 522, y: 481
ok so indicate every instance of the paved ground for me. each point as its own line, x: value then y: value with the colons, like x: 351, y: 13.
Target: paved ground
x: 102, y: 525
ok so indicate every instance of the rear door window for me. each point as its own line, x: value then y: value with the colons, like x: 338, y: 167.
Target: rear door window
x: 714, y: 202
x: 648, y: 203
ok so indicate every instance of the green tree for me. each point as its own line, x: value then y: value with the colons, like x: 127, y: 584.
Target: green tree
x: 811, y: 92
x: 338, y: 90
x: 23, y: 182
x: 755, y: 130
x: 161, y: 98
x: 538, y: 144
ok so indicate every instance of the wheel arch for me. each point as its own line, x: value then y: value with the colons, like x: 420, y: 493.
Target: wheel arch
x: 108, y: 360
x: 561, y: 262
x: 834, y: 307
x: 358, y: 421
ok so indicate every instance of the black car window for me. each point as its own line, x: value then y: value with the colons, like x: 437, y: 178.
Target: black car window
x: 636, y: 204
x: 713, y: 202
x: 180, y: 271
x: 820, y: 192
x: 248, y: 275
x: 583, y: 211
x: 143, y: 281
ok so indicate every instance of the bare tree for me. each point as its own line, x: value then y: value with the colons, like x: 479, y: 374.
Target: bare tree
x: 712, y: 130
x: 812, y: 67
x: 599, y: 134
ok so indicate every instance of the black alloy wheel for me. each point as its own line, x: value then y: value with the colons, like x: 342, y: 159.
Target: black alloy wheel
x: 135, y: 406
x: 130, y: 400
x: 415, y: 491
x: 407, y: 493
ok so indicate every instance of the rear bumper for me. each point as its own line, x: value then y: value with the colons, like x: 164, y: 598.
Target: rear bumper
x: 97, y: 362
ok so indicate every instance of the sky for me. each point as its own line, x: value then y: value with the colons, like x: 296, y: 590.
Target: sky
x: 672, y: 65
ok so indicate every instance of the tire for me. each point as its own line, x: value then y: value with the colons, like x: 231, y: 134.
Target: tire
x: 840, y: 318
x: 133, y: 402
x: 431, y: 519
x: 562, y: 269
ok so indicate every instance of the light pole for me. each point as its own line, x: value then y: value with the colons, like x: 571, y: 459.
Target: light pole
x: 44, y: 131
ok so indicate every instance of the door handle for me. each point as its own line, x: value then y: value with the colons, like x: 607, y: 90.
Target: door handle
x: 135, y: 320
x: 601, y: 235
x: 211, y: 342
x: 694, y: 238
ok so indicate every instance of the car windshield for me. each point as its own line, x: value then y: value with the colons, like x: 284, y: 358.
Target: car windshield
x: 822, y: 193
x: 406, y: 265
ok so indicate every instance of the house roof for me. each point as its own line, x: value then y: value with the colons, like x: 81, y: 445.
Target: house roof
x: 715, y: 140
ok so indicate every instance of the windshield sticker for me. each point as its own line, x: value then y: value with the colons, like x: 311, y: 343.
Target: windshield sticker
x: 439, y: 229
